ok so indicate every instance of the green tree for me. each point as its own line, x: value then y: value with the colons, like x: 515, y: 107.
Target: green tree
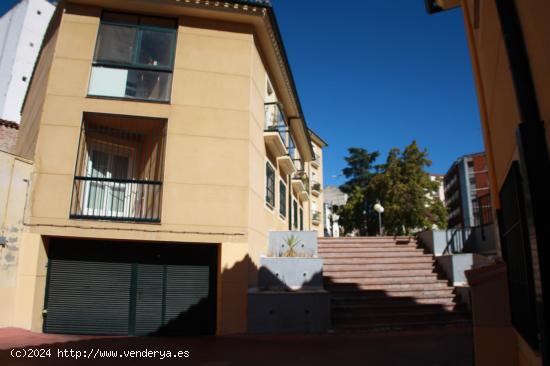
x: 360, y: 169
x: 357, y: 214
x: 405, y: 188
x: 401, y: 184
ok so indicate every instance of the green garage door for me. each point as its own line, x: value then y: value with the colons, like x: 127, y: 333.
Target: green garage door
x: 97, y: 287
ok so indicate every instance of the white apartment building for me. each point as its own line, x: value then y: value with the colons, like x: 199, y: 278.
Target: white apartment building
x: 21, y: 31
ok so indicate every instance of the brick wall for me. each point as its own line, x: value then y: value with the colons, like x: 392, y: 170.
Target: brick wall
x: 8, y: 135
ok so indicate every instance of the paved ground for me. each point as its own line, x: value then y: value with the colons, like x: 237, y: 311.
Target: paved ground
x: 449, y: 347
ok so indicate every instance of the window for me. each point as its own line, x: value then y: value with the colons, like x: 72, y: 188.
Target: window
x: 119, y: 170
x: 282, y: 199
x: 295, y: 214
x: 301, y: 219
x: 269, y: 185
x: 134, y: 57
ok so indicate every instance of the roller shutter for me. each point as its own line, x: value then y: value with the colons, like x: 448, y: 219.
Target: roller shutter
x: 115, y: 288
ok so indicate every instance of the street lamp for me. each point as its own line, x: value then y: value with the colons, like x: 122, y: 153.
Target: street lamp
x: 380, y: 209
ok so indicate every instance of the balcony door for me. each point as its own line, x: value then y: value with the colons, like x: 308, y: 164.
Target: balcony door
x: 107, y: 191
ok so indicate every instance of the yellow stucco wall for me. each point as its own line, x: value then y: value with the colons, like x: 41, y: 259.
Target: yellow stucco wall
x: 13, y: 173
x: 214, y: 170
x: 500, y: 118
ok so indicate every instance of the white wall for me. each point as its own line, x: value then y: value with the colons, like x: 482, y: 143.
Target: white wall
x: 21, y: 32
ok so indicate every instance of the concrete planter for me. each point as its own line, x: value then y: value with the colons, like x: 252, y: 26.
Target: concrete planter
x: 288, y: 312
x: 306, y: 243
x: 456, y: 265
x: 434, y: 240
x: 290, y: 273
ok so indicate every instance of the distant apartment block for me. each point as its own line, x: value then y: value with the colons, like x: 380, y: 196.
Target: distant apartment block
x: 466, y: 181
x: 440, y: 192
x: 21, y: 32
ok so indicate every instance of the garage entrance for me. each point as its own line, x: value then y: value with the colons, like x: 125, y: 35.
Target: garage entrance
x: 120, y: 288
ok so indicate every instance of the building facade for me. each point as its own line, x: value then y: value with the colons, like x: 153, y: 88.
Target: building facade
x: 509, y: 53
x: 440, y: 192
x: 466, y: 180
x: 184, y: 144
x: 21, y: 32
x: 334, y: 198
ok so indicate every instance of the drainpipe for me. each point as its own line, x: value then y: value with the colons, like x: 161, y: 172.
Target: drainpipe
x: 534, y: 159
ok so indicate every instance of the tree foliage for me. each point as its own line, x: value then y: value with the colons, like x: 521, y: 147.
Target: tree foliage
x: 403, y: 187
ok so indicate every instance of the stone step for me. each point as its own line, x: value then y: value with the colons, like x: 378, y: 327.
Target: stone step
x: 369, y: 238
x: 409, y: 324
x: 368, y: 273
x: 388, y: 287
x: 381, y: 266
x: 376, y: 260
x: 426, y: 279
x: 383, y: 295
x: 354, y: 254
x: 365, y: 248
x: 398, y: 317
x: 368, y: 243
x: 395, y: 307
x: 389, y: 302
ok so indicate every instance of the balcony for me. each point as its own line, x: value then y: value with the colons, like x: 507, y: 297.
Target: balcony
x: 316, y: 163
x: 286, y: 164
x: 316, y: 189
x: 300, y: 182
x: 119, y: 169
x: 315, y: 218
x: 276, y: 130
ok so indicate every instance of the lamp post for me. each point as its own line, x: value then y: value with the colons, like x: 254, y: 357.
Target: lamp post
x: 380, y: 209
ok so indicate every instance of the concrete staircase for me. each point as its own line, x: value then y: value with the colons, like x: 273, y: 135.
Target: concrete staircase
x: 380, y: 283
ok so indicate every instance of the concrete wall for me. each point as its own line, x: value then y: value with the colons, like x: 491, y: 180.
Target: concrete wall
x: 21, y: 33
x: 13, y: 173
x: 214, y: 172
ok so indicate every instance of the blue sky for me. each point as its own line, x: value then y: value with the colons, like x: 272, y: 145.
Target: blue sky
x: 378, y: 74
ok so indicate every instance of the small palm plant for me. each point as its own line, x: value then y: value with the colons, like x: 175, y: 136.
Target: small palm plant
x: 292, y: 243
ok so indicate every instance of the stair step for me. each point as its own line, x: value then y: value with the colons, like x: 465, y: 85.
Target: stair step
x: 368, y: 273
x: 427, y: 279
x: 383, y: 295
x: 381, y: 244
x: 376, y: 260
x: 428, y: 266
x: 369, y: 238
x: 399, y: 254
x: 397, y: 317
x: 408, y: 325
x: 397, y: 308
x: 392, y: 301
x: 388, y: 287
x: 368, y: 249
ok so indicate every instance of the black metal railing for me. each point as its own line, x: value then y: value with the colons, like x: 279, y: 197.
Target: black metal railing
x: 457, y: 239
x: 275, y: 121
x: 116, y: 199
x: 119, y: 170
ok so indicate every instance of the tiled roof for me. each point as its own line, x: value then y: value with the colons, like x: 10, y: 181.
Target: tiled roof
x: 9, y: 124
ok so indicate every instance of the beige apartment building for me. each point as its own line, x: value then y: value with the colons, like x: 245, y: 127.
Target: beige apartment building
x: 167, y: 140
